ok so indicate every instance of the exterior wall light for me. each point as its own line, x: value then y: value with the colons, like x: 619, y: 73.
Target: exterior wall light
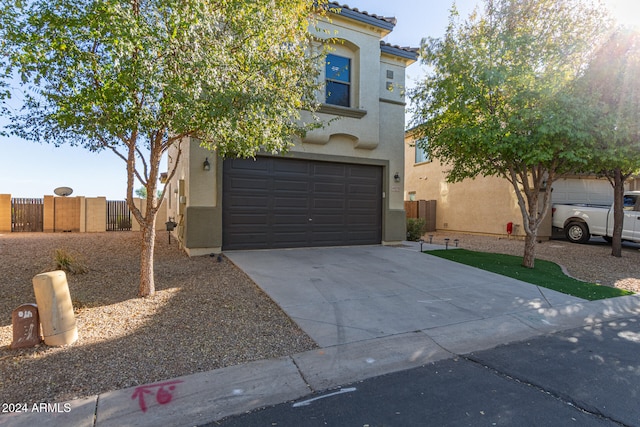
x: 171, y: 225
x: 396, y: 177
x: 206, y: 166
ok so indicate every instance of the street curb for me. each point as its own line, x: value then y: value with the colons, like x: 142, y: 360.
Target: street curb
x: 206, y: 397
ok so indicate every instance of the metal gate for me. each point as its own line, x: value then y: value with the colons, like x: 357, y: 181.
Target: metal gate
x: 118, y: 215
x: 27, y: 214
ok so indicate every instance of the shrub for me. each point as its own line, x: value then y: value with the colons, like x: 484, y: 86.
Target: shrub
x: 68, y: 262
x: 415, y: 228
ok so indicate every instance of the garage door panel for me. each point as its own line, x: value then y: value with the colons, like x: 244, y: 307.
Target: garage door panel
x: 290, y: 185
x: 288, y: 219
x: 246, y: 165
x: 247, y: 184
x: 249, y: 202
x: 286, y: 167
x: 358, y: 171
x: 326, y: 170
x: 290, y: 202
x: 328, y: 203
x: 250, y: 238
x: 328, y: 237
x: 327, y: 219
x: 337, y: 188
x: 361, y: 205
x: 248, y: 218
x: 290, y: 236
x: 364, y: 218
x: 362, y: 189
x: 298, y: 203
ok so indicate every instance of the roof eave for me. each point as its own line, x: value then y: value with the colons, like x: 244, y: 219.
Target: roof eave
x: 409, y: 54
x: 361, y: 17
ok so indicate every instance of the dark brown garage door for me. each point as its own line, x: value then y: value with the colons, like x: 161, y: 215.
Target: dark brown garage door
x: 286, y: 203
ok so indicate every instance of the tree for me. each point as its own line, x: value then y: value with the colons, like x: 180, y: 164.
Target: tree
x: 142, y: 193
x: 611, y: 87
x: 139, y: 76
x: 497, y: 101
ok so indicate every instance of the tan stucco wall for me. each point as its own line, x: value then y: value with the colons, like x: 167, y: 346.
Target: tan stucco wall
x: 161, y: 215
x: 196, y: 193
x: 483, y: 205
x: 49, y: 214
x: 78, y: 214
x: 5, y: 213
x: 96, y: 214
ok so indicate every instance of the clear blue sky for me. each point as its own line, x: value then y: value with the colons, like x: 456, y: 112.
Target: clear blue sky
x: 33, y: 170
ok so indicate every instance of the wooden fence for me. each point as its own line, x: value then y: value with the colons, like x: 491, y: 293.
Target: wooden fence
x: 425, y: 209
x: 27, y: 214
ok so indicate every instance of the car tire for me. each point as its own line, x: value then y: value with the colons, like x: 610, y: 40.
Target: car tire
x: 577, y: 232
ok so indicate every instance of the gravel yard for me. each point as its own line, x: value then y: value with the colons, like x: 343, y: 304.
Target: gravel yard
x: 206, y: 314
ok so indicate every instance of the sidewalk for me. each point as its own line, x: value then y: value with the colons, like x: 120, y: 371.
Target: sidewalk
x: 373, y: 310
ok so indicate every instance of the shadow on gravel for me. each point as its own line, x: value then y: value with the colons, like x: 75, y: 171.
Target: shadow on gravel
x: 206, y: 314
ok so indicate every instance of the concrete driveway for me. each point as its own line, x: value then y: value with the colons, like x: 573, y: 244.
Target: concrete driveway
x: 342, y: 295
x: 373, y: 310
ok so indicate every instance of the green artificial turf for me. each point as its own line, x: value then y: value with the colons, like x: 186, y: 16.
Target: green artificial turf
x: 546, y: 274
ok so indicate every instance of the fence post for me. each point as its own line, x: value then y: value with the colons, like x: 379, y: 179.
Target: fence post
x: 96, y: 214
x: 5, y: 213
x: 49, y: 214
x: 83, y: 213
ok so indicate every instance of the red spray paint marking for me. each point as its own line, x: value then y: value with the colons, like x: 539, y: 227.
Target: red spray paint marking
x: 163, y: 396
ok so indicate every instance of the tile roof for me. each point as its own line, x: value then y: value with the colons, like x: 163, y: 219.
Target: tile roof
x: 381, y: 21
x: 404, y: 51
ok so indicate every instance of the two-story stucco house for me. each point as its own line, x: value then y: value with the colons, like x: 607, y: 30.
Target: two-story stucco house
x: 340, y: 185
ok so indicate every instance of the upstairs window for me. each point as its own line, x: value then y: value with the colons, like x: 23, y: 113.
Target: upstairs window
x: 338, y: 80
x: 421, y: 155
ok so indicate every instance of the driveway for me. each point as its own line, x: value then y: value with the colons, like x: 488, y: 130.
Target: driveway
x: 342, y: 295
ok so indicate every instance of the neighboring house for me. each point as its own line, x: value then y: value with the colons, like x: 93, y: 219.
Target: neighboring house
x: 340, y: 185
x: 485, y: 205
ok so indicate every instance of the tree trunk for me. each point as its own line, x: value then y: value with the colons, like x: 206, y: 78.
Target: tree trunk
x: 618, y: 213
x: 529, y: 258
x: 147, y: 283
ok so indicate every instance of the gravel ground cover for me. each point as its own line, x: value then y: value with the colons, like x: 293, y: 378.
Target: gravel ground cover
x: 206, y: 314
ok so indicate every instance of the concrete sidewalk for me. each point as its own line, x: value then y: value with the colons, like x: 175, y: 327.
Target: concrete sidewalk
x: 372, y: 309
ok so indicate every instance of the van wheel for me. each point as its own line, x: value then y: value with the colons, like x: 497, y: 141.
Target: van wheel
x: 577, y: 232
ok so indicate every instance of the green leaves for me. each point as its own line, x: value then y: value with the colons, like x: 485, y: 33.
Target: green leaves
x: 494, y: 96
x: 611, y: 89
x: 232, y: 73
x: 499, y: 99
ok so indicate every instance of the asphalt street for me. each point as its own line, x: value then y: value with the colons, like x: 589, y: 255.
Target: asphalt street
x: 589, y: 376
